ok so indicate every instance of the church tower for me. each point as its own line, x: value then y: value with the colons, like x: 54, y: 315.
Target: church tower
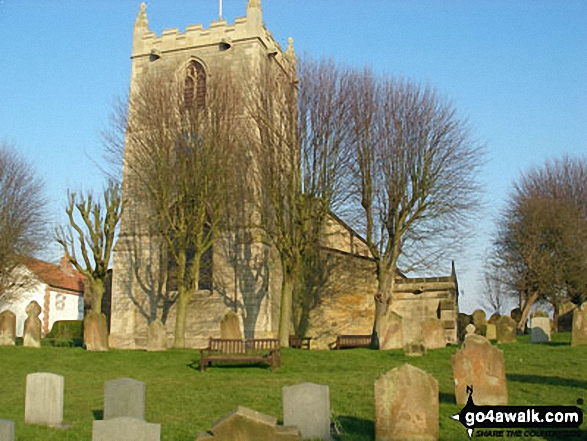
x: 244, y: 280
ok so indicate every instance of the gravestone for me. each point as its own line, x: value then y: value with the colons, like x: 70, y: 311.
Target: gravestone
x: 491, y: 331
x: 481, y: 365
x: 406, y: 405
x: 95, y: 332
x: 44, y: 399
x: 470, y: 329
x: 307, y: 406
x: 479, y: 318
x: 156, y: 336
x: 391, y: 331
x: 506, y: 330
x: 32, y: 326
x: 539, y: 329
x: 244, y: 424
x: 579, y: 333
x: 125, y: 429
x: 516, y: 315
x: 230, y: 326
x: 124, y: 397
x: 493, y: 319
x: 6, y: 430
x: 7, y: 328
x: 415, y: 348
x: 433, y: 333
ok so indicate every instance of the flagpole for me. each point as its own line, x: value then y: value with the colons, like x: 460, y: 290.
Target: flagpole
x: 219, y: 9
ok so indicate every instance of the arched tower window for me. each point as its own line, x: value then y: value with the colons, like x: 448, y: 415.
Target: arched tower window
x: 194, y: 86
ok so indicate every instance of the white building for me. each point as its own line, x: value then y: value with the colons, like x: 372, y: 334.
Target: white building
x: 58, y: 289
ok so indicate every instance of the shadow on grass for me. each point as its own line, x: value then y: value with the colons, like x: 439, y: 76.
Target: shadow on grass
x: 98, y: 414
x: 354, y: 426
x: 195, y: 365
x: 447, y: 398
x: 554, y: 381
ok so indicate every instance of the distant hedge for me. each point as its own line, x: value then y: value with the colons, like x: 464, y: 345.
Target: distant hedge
x: 67, y: 333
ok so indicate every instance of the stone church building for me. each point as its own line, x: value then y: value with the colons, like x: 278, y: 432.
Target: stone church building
x: 245, y: 277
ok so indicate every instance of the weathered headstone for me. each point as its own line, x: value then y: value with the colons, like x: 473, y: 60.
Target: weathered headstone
x: 415, y: 348
x: 479, y: 318
x: 307, y: 406
x: 6, y: 430
x: 95, y: 332
x: 44, y: 399
x: 470, y: 329
x: 433, y: 333
x: 493, y: 319
x: 480, y: 365
x: 506, y: 330
x: 516, y: 314
x: 579, y: 334
x: 406, y: 405
x: 491, y: 331
x: 463, y: 320
x: 539, y: 329
x: 230, y: 326
x: 124, y: 397
x: 7, y: 328
x: 244, y: 424
x: 32, y: 326
x: 125, y: 428
x: 156, y: 336
x: 391, y: 331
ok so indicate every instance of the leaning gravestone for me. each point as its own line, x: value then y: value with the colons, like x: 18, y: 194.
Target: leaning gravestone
x: 491, y: 331
x: 32, y: 326
x: 125, y: 429
x: 433, y: 333
x: 124, y: 397
x: 406, y: 405
x: 95, y: 332
x: 480, y: 365
x: 7, y: 329
x: 44, y: 399
x: 506, y: 330
x: 244, y: 424
x: 391, y: 331
x: 579, y: 333
x: 307, y: 406
x: 415, y: 348
x: 230, y: 326
x: 156, y: 336
x: 6, y: 430
x: 539, y: 329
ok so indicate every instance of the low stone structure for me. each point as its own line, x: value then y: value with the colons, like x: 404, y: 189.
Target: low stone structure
x: 32, y: 326
x: 6, y: 430
x: 539, y: 329
x: 579, y: 333
x: 391, y: 332
x: 480, y: 365
x: 406, y: 405
x: 7, y: 328
x: 506, y: 330
x: 244, y: 424
x: 230, y: 326
x: 125, y: 428
x: 156, y: 336
x: 491, y: 331
x: 307, y: 406
x: 44, y: 399
x: 124, y: 397
x: 433, y: 333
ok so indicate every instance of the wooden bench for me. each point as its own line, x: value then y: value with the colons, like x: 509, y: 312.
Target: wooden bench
x: 353, y: 341
x: 251, y: 350
x: 299, y: 342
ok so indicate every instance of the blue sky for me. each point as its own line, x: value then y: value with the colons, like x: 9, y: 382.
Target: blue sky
x: 516, y: 70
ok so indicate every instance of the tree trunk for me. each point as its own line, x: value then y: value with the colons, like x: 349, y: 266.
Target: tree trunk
x: 555, y: 316
x: 526, y: 310
x: 285, y: 315
x: 382, y: 302
x: 96, y: 293
x: 183, y: 300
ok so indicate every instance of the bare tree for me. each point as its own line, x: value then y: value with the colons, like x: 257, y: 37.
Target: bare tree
x: 178, y: 163
x: 301, y: 135
x: 542, y: 234
x: 23, y: 229
x: 415, y: 177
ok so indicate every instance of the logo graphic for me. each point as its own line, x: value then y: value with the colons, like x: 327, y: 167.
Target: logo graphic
x: 506, y: 417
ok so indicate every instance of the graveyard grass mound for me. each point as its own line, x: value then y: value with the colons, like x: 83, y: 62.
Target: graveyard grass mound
x: 186, y: 402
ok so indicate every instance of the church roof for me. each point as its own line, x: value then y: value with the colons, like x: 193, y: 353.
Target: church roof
x: 56, y: 276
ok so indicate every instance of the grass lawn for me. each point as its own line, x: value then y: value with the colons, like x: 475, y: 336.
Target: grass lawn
x: 185, y: 401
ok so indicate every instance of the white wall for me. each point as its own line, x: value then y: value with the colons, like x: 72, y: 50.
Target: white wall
x: 63, y: 306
